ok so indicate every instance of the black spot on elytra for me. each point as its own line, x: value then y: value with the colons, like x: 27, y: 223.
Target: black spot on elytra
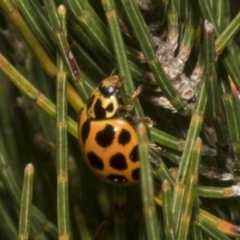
x: 136, y: 174
x: 109, y: 107
x: 90, y: 102
x: 85, y: 130
x: 99, y: 111
x: 95, y: 161
x: 118, y: 162
x: 134, y: 154
x: 117, y: 178
x: 105, y: 137
x: 124, y: 137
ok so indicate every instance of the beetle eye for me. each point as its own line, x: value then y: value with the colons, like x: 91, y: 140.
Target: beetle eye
x: 111, y: 89
x: 107, y: 91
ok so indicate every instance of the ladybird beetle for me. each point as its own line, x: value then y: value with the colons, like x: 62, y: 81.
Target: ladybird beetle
x: 109, y: 141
